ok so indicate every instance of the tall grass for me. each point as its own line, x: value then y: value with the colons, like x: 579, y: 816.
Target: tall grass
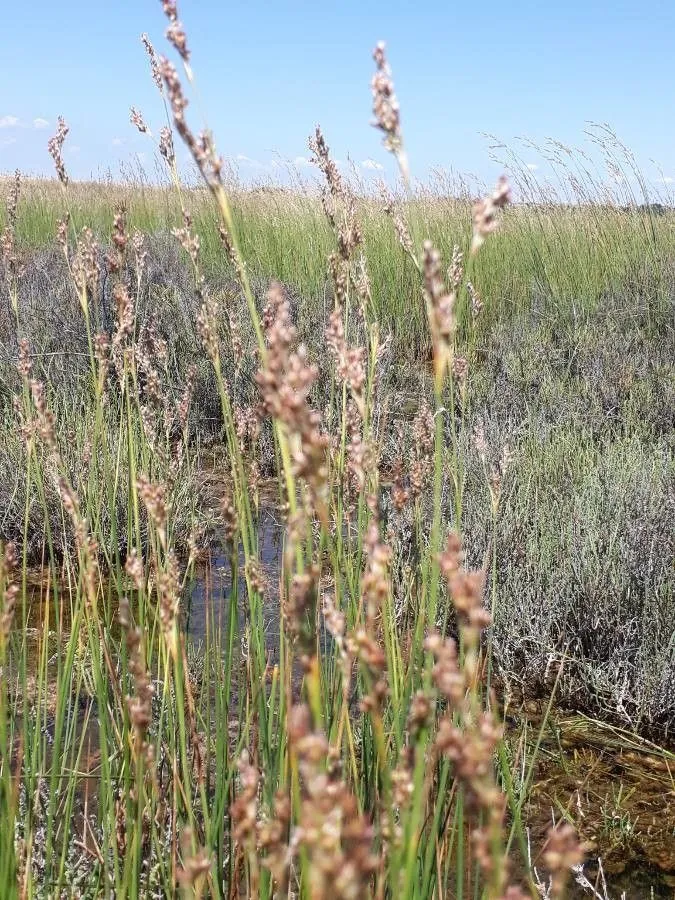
x: 579, y: 249
x: 362, y: 755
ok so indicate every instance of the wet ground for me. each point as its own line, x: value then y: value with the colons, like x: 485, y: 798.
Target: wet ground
x: 617, y: 789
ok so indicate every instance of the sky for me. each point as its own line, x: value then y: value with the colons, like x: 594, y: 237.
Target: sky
x: 268, y: 72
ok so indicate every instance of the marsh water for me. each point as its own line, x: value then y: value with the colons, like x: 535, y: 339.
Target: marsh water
x: 208, y: 601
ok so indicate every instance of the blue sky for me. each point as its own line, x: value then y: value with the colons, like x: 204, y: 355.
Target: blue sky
x: 267, y: 72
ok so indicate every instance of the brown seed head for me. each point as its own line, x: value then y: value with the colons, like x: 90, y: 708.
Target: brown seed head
x: 323, y: 160
x: 45, y: 417
x: 136, y: 119
x: 154, y: 63
x: 55, y: 147
x: 170, y: 10
x: 244, y: 810
x: 166, y: 146
x: 385, y: 103
x: 476, y: 302
x: 485, y: 212
x: 8, y: 567
x: 176, y: 35
x: 24, y: 364
x: 456, y: 268
x: 562, y: 852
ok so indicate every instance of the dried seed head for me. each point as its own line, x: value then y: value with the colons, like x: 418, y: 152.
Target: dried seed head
x: 102, y: 354
x: 403, y: 786
x: 8, y: 567
x: 116, y: 256
x: 166, y: 146
x: 168, y: 592
x: 13, y: 200
x: 419, y: 715
x: 386, y: 108
x: 228, y: 511
x: 55, y: 147
x: 424, y: 431
x: 138, y: 121
x: 175, y: 34
x: 207, y: 325
x: 154, y: 63
x: 466, y: 588
x: 46, y: 422
x: 24, y: 364
x: 476, y: 302
x: 299, y: 613
x: 447, y: 676
x: 335, y: 837
x: 62, y: 233
x: 562, y: 852
x: 456, y: 268
x: 442, y: 301
x: 140, y: 253
x: 186, y: 399
x: 188, y: 240
x: 403, y: 233
x: 230, y: 250
x: 255, y: 576
x: 85, y: 267
x: 244, y: 810
x: 460, y: 369
x: 170, y: 10
x: 154, y: 498
x: 8, y: 237
x: 335, y: 620
x: 134, y: 569
x: 174, y: 88
x: 323, y: 160
x: 272, y: 841
x: 400, y: 225
x: 285, y: 381
x: 440, y: 311
x: 350, y: 361
x: 202, y: 148
x: 195, y: 866
x: 140, y: 703
x: 399, y: 493
x: 485, y: 212
x: 375, y: 580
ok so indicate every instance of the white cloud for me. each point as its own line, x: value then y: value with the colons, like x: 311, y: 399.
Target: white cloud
x: 117, y: 142
x: 371, y: 164
x: 39, y: 122
x: 667, y: 179
x: 244, y: 160
x: 8, y: 121
x: 6, y: 142
x: 301, y: 161
x: 532, y: 167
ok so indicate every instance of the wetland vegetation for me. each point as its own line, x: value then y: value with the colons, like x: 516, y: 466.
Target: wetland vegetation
x: 337, y: 530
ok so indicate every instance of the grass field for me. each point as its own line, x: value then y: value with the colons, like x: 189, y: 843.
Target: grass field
x: 459, y: 414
